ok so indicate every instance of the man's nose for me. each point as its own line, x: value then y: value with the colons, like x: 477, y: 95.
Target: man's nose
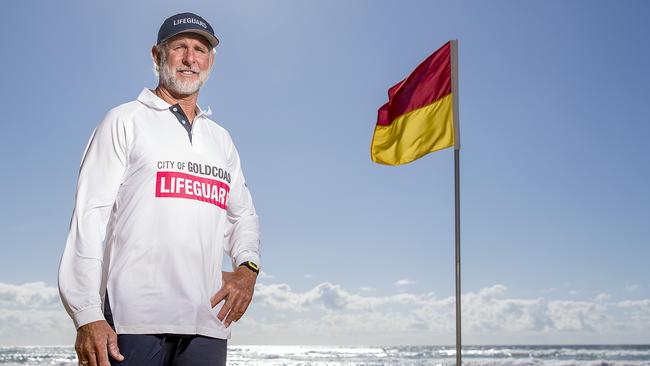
x: 189, y: 57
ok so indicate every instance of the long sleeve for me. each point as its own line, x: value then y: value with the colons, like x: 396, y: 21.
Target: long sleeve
x: 242, y: 236
x: 100, y: 175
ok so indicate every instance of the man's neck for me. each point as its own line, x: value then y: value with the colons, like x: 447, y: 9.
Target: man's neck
x: 187, y: 102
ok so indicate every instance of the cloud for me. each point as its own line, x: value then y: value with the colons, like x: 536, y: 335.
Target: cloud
x: 308, y: 276
x: 328, y: 313
x: 639, y: 309
x: 404, y: 282
x: 578, y: 316
x: 603, y: 297
x: 631, y: 288
x: 32, y: 314
x: 264, y: 275
x: 328, y: 297
x: 28, y: 295
x: 487, y: 311
x: 489, y: 316
x: 367, y: 288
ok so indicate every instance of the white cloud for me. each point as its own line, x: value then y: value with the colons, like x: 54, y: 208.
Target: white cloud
x: 329, y: 314
x: 327, y: 296
x: 578, y: 316
x: 28, y: 295
x: 631, y: 288
x: 31, y: 314
x: 367, y: 289
x: 603, y: 297
x: 404, y: 282
x: 264, y: 275
x: 487, y: 311
x: 639, y: 309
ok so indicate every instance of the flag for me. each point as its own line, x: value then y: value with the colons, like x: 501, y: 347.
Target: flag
x: 419, y: 115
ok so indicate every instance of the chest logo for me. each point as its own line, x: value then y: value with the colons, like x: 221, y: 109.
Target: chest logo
x: 183, y: 185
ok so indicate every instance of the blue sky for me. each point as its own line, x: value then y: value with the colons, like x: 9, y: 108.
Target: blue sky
x: 554, y: 167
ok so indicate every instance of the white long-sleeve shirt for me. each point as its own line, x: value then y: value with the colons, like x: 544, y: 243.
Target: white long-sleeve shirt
x: 156, y: 208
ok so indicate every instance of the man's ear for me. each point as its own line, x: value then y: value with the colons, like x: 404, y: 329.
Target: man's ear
x: 155, y: 55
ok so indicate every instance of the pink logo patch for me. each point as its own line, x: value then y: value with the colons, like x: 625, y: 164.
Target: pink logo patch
x: 182, y: 185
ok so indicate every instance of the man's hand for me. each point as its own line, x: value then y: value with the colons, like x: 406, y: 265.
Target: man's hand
x: 237, y: 290
x: 93, y: 340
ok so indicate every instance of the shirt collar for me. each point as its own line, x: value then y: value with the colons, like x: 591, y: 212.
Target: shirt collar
x: 150, y: 99
x: 203, y: 113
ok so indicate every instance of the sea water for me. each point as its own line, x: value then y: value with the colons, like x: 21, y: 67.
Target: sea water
x: 582, y: 355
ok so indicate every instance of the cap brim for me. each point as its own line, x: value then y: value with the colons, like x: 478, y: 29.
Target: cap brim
x: 212, y: 40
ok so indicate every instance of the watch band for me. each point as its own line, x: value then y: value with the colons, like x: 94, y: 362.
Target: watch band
x: 252, y: 266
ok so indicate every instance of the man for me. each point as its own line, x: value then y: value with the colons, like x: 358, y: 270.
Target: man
x: 160, y: 198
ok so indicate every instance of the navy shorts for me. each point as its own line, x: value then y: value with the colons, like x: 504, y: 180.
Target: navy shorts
x: 167, y: 349
x: 170, y: 350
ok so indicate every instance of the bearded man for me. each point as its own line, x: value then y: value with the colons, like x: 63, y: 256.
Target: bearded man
x: 160, y: 198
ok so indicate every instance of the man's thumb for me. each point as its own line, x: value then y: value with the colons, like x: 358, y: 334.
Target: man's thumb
x: 115, y: 351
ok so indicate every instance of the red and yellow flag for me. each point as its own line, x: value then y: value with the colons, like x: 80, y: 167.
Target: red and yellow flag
x: 419, y: 115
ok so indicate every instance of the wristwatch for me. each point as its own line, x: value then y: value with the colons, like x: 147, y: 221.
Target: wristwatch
x: 252, y: 266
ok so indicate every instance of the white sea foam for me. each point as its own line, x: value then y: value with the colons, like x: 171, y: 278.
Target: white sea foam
x: 380, y: 356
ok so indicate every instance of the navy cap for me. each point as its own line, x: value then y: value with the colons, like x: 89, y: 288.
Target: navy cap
x: 186, y: 22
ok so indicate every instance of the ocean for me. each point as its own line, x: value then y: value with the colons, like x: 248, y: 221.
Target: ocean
x: 579, y: 355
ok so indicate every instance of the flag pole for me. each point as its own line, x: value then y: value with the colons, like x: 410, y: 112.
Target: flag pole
x: 457, y: 209
x: 454, y: 86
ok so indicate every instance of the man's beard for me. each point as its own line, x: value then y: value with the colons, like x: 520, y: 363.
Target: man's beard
x: 181, y: 87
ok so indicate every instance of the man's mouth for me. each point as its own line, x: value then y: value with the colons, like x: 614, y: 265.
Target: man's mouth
x: 188, y: 72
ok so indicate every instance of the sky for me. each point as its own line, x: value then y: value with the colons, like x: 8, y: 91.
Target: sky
x: 554, y: 119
